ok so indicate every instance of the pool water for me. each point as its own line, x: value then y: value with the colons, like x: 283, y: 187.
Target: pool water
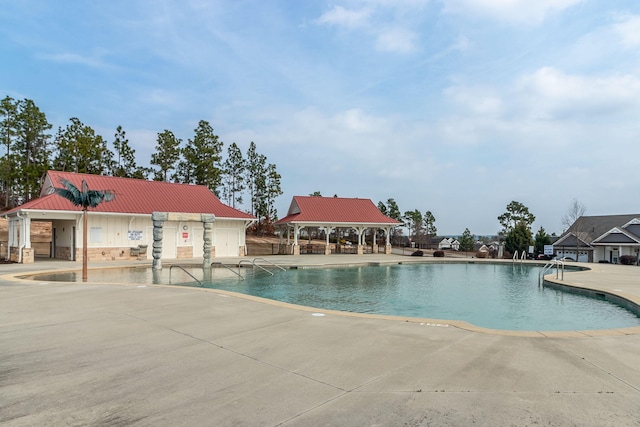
x: 495, y: 296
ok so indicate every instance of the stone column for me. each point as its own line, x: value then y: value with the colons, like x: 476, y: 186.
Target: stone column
x: 158, y: 219
x: 207, y: 222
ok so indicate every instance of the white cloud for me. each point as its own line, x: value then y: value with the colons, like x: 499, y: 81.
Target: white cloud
x: 348, y: 18
x: 629, y: 30
x: 94, y: 61
x: 553, y: 94
x: 514, y: 11
x: 396, y: 40
x: 391, y: 25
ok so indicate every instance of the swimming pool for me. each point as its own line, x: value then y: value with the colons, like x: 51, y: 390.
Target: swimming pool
x: 495, y: 296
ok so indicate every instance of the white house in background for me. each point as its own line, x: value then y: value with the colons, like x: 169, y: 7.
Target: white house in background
x: 449, y: 243
x: 603, y: 238
x: 122, y: 228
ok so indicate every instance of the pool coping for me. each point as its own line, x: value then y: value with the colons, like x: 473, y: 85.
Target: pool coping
x: 607, y: 291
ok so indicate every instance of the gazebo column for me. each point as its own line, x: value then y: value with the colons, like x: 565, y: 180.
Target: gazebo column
x: 387, y: 246
x: 360, y: 247
x: 374, y: 243
x: 296, y: 232
x: 327, y: 246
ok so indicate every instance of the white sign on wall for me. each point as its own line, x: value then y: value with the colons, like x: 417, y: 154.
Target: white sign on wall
x: 548, y: 249
x: 135, y: 234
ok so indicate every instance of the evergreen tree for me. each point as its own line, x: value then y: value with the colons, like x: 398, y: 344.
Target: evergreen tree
x: 201, y: 159
x: 518, y: 238
x: 394, y: 212
x: 166, y: 156
x: 273, y: 189
x: 466, y: 241
x: 430, y: 227
x: 382, y: 208
x: 32, y: 148
x: 78, y: 149
x: 125, y: 158
x: 516, y: 213
x: 233, y: 178
x: 414, y: 220
x: 542, y: 239
x: 8, y: 132
x: 254, y: 173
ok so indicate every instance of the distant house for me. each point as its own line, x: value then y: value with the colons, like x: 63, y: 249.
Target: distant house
x: 600, y: 238
x: 331, y: 214
x: 123, y: 228
x: 449, y: 243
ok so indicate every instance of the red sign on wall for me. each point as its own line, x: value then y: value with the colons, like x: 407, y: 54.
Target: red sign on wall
x: 185, y: 235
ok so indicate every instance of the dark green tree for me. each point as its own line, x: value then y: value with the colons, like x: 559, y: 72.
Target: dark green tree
x: 86, y: 199
x: 393, y: 211
x: 166, y: 156
x: 466, y: 241
x: 32, y: 149
x: 78, y: 149
x: 273, y: 189
x: 516, y: 213
x: 429, y: 227
x: 233, y: 175
x: 255, y: 178
x: 414, y: 222
x: 8, y: 132
x: 542, y: 239
x: 201, y: 159
x: 518, y: 239
x: 381, y: 207
x: 125, y: 158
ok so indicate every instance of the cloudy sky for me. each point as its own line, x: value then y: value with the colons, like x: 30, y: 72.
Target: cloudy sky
x: 452, y: 106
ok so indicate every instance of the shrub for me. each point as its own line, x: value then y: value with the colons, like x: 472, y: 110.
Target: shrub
x: 438, y: 254
x: 417, y: 253
x: 481, y: 254
x: 628, y: 260
x: 507, y: 255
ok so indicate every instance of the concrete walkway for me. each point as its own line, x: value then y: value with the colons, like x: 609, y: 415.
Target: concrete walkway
x: 112, y: 355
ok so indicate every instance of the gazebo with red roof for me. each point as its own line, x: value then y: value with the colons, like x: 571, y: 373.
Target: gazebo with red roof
x: 331, y: 213
x: 123, y: 228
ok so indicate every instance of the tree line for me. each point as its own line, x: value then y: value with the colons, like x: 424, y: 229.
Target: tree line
x: 516, y: 228
x: 29, y: 150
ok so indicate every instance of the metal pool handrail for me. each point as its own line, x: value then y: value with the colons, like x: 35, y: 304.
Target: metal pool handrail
x: 237, y: 273
x: 548, y: 266
x: 268, y: 262
x: 182, y: 268
x: 254, y: 266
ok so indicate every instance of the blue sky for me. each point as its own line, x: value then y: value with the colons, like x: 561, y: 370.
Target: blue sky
x: 452, y: 106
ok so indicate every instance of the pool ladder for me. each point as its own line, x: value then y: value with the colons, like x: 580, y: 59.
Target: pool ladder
x: 237, y: 273
x: 559, y: 265
x: 253, y: 263
x: 182, y: 268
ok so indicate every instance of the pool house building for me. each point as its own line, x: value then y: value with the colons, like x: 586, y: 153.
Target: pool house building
x: 183, y: 216
x: 334, y: 215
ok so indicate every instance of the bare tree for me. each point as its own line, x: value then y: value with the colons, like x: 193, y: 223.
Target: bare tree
x: 571, y: 223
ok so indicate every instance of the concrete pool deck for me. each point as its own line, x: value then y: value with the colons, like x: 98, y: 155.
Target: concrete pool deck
x: 104, y: 354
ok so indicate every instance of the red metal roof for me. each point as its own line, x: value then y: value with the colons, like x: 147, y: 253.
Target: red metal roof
x: 135, y: 196
x: 335, y: 210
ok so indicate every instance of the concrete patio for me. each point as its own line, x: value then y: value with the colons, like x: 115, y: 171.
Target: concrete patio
x: 105, y: 354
